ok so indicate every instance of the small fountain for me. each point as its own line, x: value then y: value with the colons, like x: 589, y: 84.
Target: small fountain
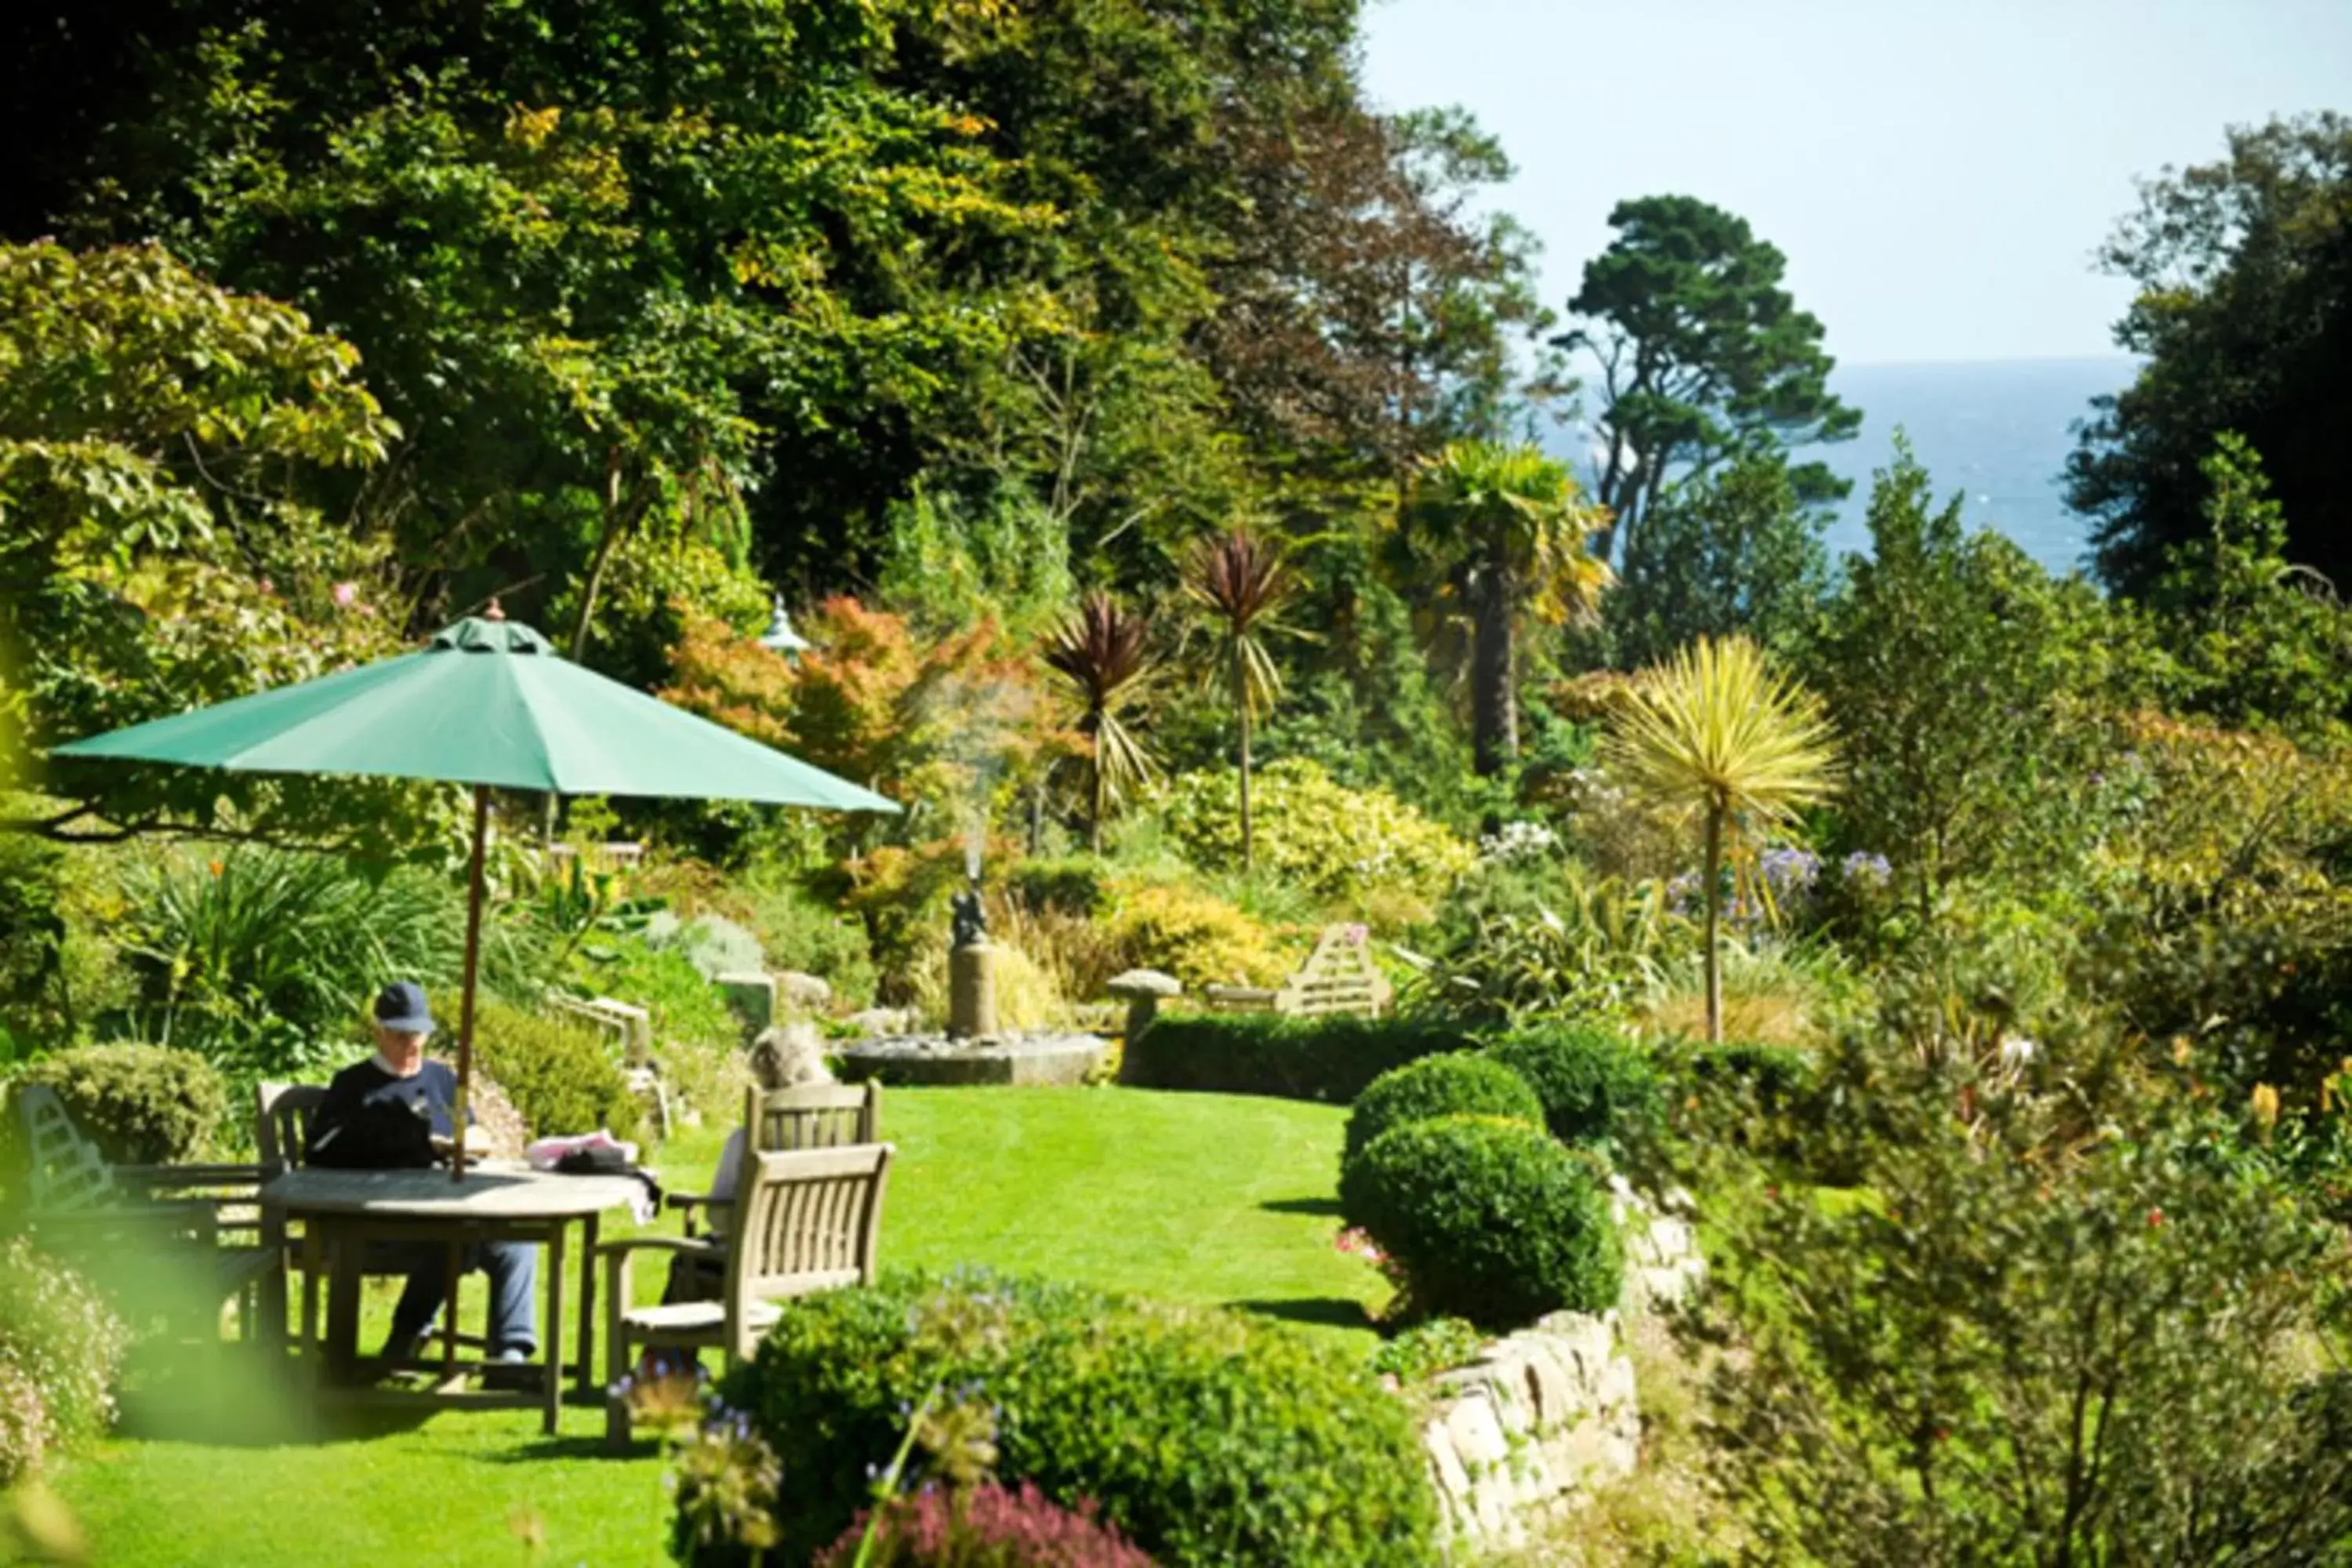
x: 974, y: 1049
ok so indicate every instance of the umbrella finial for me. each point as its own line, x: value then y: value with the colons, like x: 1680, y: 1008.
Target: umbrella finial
x: 490, y: 612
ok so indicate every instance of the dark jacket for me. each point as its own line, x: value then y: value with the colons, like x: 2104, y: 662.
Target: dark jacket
x: 374, y: 1120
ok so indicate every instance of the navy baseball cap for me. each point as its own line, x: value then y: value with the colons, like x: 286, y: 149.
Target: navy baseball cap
x: 401, y: 1006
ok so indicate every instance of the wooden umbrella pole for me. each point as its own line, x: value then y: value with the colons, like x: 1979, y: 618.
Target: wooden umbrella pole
x: 466, y: 999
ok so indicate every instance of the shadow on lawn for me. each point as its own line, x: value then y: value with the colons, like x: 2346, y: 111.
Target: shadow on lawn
x: 1319, y: 1312
x: 237, y: 1403
x: 1325, y: 1208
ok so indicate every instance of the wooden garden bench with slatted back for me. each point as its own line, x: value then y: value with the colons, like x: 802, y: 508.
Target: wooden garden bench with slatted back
x: 806, y: 1220
x: 1338, y: 977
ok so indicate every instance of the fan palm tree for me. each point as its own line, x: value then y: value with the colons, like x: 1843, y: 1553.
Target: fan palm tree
x: 1238, y: 584
x: 1103, y: 654
x: 1505, y: 526
x: 1714, y: 731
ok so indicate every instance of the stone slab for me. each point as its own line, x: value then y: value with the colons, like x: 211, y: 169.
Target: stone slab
x: 1017, y: 1060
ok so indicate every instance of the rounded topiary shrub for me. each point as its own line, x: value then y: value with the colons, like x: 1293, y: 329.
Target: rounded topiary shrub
x: 987, y: 1527
x: 143, y: 1105
x: 560, y: 1076
x: 1203, y: 1437
x: 1461, y: 1083
x: 1598, y: 1087
x: 1491, y: 1220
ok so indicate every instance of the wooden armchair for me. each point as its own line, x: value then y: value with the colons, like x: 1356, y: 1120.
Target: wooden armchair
x: 808, y: 1220
x: 776, y: 1121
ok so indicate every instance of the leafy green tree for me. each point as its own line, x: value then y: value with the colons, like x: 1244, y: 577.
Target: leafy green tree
x: 1104, y: 656
x: 2255, y: 640
x: 161, y: 444
x: 951, y: 563
x: 2243, y: 323
x: 2073, y: 1321
x: 1729, y: 552
x: 1714, y: 731
x: 1966, y: 682
x: 1702, y: 354
x: 1239, y: 584
x: 1503, y: 531
x: 600, y: 272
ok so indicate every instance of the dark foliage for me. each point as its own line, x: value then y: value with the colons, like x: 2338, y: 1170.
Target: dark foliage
x: 2244, y: 321
x: 1331, y: 1059
x: 1597, y: 1086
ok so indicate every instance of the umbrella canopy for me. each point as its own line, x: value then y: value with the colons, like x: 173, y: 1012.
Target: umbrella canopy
x: 487, y: 703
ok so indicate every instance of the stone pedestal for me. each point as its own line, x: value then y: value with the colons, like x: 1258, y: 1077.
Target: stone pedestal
x: 971, y: 992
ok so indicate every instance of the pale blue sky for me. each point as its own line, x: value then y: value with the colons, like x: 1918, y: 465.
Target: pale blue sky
x: 1939, y: 173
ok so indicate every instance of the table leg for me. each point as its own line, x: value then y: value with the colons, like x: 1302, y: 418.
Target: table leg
x: 314, y: 1261
x: 342, y: 1245
x: 452, y: 1274
x: 588, y: 1307
x: 551, y: 1373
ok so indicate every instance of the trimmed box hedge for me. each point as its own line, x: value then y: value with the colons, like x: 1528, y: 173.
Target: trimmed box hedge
x: 1491, y: 1219
x: 1332, y: 1059
x: 1209, y: 1440
x: 1455, y: 1084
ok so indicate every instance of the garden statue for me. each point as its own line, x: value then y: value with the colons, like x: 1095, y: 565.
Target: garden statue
x: 970, y: 920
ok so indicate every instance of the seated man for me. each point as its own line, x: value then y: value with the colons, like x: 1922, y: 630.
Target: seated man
x: 385, y: 1113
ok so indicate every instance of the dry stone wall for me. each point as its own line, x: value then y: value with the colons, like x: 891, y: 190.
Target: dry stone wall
x: 1547, y: 1415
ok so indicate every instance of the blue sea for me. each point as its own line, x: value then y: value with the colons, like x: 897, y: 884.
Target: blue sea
x: 1995, y: 431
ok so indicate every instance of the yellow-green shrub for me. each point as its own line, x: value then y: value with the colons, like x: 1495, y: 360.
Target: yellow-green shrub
x: 1195, y: 936
x: 1311, y: 830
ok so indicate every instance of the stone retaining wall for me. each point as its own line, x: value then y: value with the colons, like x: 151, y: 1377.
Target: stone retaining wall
x: 1549, y: 1413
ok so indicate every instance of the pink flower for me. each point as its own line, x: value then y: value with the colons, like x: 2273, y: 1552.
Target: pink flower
x: 347, y: 594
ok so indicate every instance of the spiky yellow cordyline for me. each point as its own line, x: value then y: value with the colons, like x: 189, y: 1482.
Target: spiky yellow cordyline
x: 1713, y: 729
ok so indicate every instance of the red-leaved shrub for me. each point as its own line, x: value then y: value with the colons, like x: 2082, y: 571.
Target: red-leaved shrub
x: 986, y: 1527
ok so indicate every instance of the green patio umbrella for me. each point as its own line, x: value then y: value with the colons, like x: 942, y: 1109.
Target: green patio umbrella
x: 486, y: 703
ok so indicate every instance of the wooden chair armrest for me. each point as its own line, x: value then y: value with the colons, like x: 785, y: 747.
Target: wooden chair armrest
x: 611, y: 1250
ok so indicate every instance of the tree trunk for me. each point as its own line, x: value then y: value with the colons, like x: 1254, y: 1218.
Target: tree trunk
x: 616, y: 524
x: 1094, y: 806
x: 1714, y: 899
x: 1241, y: 709
x: 1494, y: 674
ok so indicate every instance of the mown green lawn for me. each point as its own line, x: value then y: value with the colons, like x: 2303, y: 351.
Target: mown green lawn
x: 1204, y: 1198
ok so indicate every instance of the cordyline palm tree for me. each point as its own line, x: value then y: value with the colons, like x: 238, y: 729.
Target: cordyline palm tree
x: 1506, y: 527
x: 1713, y: 729
x: 1239, y: 584
x: 1104, y: 655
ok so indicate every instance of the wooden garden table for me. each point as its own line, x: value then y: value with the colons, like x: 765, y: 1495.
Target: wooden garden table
x: 342, y: 1211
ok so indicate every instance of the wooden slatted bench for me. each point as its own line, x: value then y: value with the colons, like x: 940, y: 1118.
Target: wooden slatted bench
x: 1338, y: 977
